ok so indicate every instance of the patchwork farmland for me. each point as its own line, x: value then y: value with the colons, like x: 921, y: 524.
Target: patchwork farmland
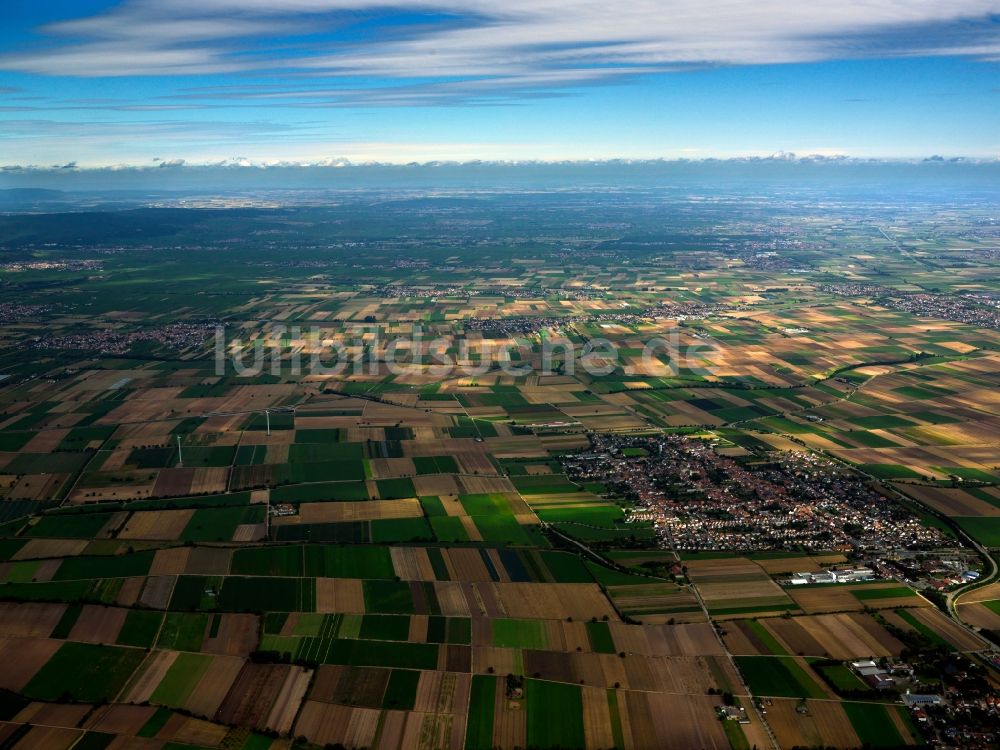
x: 699, y: 547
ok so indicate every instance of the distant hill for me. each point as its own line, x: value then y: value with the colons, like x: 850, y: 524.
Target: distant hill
x: 27, y: 195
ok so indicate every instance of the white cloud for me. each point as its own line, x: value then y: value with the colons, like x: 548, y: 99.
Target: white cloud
x: 510, y: 38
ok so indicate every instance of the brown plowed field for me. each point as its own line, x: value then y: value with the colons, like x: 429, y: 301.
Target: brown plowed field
x: 361, y: 686
x: 209, y: 561
x: 156, y: 592
x: 668, y: 721
x: 551, y: 601
x: 120, y: 719
x: 237, y: 636
x: 98, y: 624
x: 323, y: 724
x: 29, y: 619
x: 129, y: 593
x: 38, y: 548
x: 171, y: 561
x: 509, y: 720
x: 412, y: 564
x: 150, y: 674
x: 22, y: 658
x: 263, y: 693
x: 214, y: 686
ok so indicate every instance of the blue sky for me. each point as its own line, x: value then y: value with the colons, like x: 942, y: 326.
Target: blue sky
x: 142, y: 82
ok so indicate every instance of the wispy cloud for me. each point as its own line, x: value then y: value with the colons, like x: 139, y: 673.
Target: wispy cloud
x: 459, y: 39
x: 280, y: 80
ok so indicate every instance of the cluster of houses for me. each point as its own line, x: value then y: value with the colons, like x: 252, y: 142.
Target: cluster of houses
x: 114, y: 341
x: 699, y: 498
x: 878, y: 677
x: 733, y: 713
x: 849, y: 575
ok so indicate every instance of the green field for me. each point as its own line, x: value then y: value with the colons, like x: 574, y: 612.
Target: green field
x: 319, y: 491
x: 388, y: 597
x: 84, y: 672
x: 219, y: 524
x: 180, y: 679
x: 140, y: 628
x: 601, y: 640
x: 764, y: 636
x: 268, y: 561
x: 823, y: 335
x: 330, y: 561
x: 984, y: 529
x: 555, y: 714
x: 842, y: 678
x: 482, y: 698
x: 385, y: 627
x: 104, y: 566
x: 778, y: 676
x: 262, y: 594
x: 401, y: 692
x: 358, y: 652
x: 873, y: 725
x: 182, y: 631
x: 82, y: 526
x: 519, y: 634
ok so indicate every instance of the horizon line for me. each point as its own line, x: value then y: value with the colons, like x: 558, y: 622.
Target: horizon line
x: 235, y: 163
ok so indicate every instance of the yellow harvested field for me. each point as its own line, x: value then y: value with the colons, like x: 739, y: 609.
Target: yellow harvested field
x: 352, y: 511
x: 412, y: 564
x: 733, y: 583
x: 199, y: 732
x: 656, y: 720
x: 502, y: 660
x: 163, y: 525
x: 810, y: 564
x: 823, y: 725
x: 38, y: 548
x: 451, y: 599
x: 597, y: 727
x: 547, y: 601
x: 956, y: 635
x: 340, y: 595
x: 951, y: 502
x: 979, y: 615
x: 287, y: 701
x: 987, y: 593
x: 838, y: 636
x: 172, y: 561
x: 695, y: 639
x: 325, y: 723
x: 442, y: 485
x: 466, y: 565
